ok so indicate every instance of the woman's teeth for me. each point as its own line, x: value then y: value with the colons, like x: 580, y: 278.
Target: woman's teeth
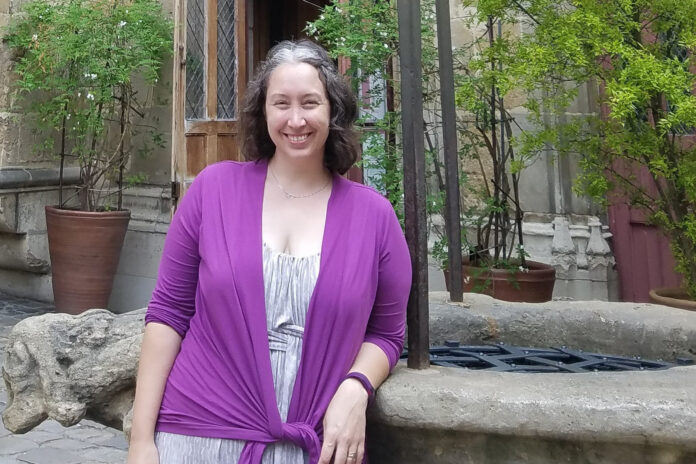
x: 298, y: 138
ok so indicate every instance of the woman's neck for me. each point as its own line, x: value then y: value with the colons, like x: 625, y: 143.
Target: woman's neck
x: 299, y: 175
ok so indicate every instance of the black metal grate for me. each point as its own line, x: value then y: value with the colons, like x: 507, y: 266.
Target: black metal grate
x: 505, y: 358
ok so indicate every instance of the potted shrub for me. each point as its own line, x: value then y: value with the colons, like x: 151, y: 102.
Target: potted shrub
x: 76, y: 62
x: 494, y: 261
x: 640, y: 55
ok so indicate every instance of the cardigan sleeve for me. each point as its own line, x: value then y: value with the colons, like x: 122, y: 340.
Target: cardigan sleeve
x: 173, y: 300
x: 386, y: 327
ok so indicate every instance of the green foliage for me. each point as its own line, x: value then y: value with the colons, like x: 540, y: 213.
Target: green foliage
x: 76, y: 62
x: 642, y: 52
x: 365, y: 33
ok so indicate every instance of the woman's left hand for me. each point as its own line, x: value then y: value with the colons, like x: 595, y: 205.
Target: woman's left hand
x: 344, y: 425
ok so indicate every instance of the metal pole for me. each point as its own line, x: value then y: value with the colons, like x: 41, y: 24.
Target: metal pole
x: 414, y: 180
x: 449, y: 132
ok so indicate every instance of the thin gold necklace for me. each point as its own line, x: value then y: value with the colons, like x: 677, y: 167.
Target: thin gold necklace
x: 290, y: 195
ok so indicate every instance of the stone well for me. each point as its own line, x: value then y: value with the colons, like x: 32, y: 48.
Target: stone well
x: 448, y: 415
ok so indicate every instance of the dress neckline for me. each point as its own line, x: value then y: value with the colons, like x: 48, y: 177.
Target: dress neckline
x: 275, y: 252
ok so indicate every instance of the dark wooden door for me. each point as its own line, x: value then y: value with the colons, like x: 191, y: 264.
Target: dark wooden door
x: 218, y: 43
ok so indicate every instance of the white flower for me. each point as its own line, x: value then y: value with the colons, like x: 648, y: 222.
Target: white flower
x: 67, y: 116
x: 379, y: 24
x: 338, y: 10
x: 91, y: 76
x: 521, y: 247
x: 321, y: 17
x: 79, y: 94
x: 156, y: 80
x: 386, y: 46
x: 383, y: 34
x: 90, y: 96
x: 35, y: 37
x: 121, y: 24
x: 364, y: 47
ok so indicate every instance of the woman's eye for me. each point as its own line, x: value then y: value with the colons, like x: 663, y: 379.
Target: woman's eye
x: 310, y: 104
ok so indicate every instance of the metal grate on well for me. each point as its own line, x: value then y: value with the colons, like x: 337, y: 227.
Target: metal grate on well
x: 508, y: 358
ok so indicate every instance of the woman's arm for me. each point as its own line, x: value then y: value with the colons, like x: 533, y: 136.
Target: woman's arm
x: 344, y: 421
x: 167, y: 320
x: 159, y: 349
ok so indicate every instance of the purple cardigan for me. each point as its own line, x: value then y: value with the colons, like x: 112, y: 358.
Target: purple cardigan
x: 210, y: 290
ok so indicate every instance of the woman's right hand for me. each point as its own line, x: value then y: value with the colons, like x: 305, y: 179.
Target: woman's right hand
x: 143, y: 453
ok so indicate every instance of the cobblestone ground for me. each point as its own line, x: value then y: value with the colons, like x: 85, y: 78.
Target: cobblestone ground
x: 51, y: 443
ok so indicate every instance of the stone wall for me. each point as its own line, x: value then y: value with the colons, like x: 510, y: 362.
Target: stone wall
x: 545, y: 189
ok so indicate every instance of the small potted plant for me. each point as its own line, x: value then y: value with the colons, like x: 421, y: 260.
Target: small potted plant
x: 76, y: 62
x: 494, y: 259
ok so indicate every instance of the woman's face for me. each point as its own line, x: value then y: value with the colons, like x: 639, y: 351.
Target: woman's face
x: 297, y: 111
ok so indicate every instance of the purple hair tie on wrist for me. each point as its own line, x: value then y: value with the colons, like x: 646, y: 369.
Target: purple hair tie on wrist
x: 362, y: 378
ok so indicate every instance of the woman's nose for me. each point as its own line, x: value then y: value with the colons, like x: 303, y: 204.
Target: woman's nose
x: 296, y: 117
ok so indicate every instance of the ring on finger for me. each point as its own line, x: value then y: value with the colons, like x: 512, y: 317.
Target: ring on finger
x: 352, y: 456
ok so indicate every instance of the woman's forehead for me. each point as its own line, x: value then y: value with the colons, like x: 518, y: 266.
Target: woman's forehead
x: 293, y: 78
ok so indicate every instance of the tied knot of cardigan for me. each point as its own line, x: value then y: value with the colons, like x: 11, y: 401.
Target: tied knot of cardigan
x: 299, y: 433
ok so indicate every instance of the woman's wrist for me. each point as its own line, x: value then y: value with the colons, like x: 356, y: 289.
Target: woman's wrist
x: 362, y: 379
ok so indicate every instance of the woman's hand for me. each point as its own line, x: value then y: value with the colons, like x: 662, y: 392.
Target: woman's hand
x: 143, y: 453
x: 344, y: 425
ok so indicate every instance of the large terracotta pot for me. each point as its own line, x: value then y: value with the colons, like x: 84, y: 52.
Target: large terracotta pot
x: 533, y: 286
x: 84, y: 248
x: 674, y: 297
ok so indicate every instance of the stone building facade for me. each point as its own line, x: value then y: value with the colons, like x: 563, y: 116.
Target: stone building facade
x: 564, y: 229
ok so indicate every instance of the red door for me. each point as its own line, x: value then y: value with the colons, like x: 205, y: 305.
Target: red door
x: 643, y: 256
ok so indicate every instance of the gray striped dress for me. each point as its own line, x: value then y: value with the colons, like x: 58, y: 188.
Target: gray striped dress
x: 289, y: 282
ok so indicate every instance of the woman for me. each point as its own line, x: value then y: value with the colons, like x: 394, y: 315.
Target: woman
x: 280, y: 303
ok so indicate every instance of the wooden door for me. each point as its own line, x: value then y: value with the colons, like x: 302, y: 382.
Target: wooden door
x: 218, y: 43
x: 209, y: 80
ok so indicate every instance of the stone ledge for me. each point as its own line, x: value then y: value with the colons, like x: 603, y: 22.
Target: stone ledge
x: 656, y: 407
x: 628, y: 329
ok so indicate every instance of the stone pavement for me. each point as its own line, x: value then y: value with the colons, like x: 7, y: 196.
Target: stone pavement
x: 50, y: 443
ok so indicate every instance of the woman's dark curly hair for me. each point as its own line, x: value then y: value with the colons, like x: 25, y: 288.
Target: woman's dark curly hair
x: 342, y: 148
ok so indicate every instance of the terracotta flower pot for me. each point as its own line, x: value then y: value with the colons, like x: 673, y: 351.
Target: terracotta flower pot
x: 674, y: 297
x: 84, y: 248
x: 532, y: 286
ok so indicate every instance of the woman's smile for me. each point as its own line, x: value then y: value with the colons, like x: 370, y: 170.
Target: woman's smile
x: 298, y: 139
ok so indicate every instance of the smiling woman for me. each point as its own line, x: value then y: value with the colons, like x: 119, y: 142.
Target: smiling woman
x: 281, y: 299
